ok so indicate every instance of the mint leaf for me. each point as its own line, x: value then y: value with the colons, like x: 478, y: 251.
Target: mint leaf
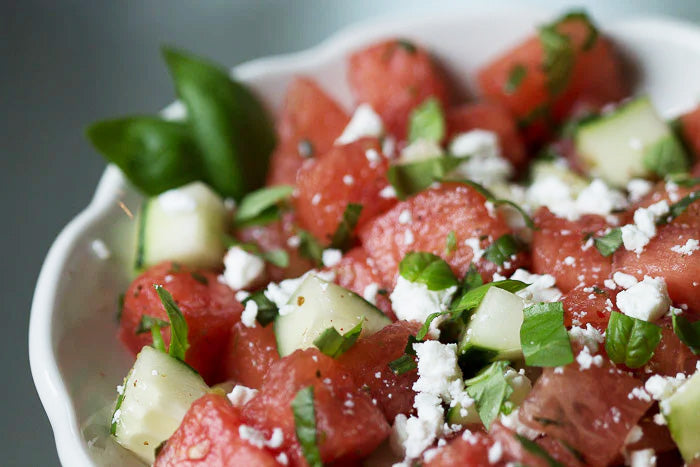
x: 687, y: 332
x: 333, y: 344
x: 178, y: 325
x: 543, y: 336
x: 630, y: 341
x: 472, y: 298
x: 342, y: 236
x: 609, y: 243
x: 411, y: 178
x: 515, y: 78
x: 427, y: 121
x: 503, y: 249
x: 489, y: 389
x: 558, y: 58
x: 428, y: 269
x: 679, y: 208
x: 267, y: 310
x: 665, y: 157
x: 260, y: 202
x: 305, y: 425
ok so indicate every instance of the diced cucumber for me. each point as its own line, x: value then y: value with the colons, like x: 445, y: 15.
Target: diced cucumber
x: 682, y: 413
x: 185, y: 225
x: 543, y: 169
x: 154, y: 398
x: 317, y: 305
x: 495, y: 325
x: 614, y: 146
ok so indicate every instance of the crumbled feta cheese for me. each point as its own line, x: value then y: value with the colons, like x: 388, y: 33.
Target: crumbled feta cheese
x: 242, y: 269
x: 646, y: 300
x: 388, y: 146
x: 420, y: 150
x: 475, y: 244
x: 280, y: 293
x: 241, y: 295
x: 556, y: 195
x: 437, y: 368
x: 408, y: 237
x: 639, y: 393
x: 331, y: 257
x: 282, y: 458
x: 624, y: 280
x: 100, y: 249
x: 589, y: 337
x: 569, y: 260
x: 636, y: 236
x: 387, y: 192
x: 638, y: 188
x: 691, y: 246
x: 294, y: 241
x: 413, y: 301
x: 241, y: 395
x: 405, y: 217
x: 480, y: 143
x: 634, y: 435
x: 672, y: 190
x: 373, y: 156
x: 662, y: 387
x: 315, y: 199
x: 599, y: 198
x: 370, y: 293
x: 249, y: 314
x: 257, y: 439
x: 585, y: 360
x: 643, y: 458
x: 541, y: 288
x: 633, y: 239
x: 364, y: 122
x: 485, y: 170
x: 348, y: 179
x: 610, y: 284
x: 177, y: 200
x: 495, y: 452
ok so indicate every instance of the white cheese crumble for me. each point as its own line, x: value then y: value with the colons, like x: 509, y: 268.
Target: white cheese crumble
x: 412, y: 301
x: 541, y: 289
x: 249, y: 314
x: 408, y: 237
x: 100, y: 249
x: 280, y: 293
x: 388, y: 192
x: 242, y: 269
x: 495, y: 452
x: 475, y: 245
x: 554, y: 193
x: 690, y: 247
x: 636, y: 236
x: 241, y: 295
x: 589, y: 337
x: 257, y: 439
x: 373, y: 157
x: 585, y: 360
x: 624, y: 280
x: 331, y: 257
x: 477, y: 142
x: 483, y: 163
x: 663, y: 387
x: 405, y: 217
x: 643, y: 458
x: 315, y: 199
x: 364, y: 123
x: 512, y: 421
x: 370, y: 293
x: 241, y: 395
x: 638, y: 188
x: 646, y: 300
x: 348, y: 179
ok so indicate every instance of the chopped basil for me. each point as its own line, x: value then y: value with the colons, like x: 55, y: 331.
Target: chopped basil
x: 687, y: 332
x: 558, y: 58
x: 427, y: 122
x: 472, y: 279
x: 489, y: 389
x: 256, y: 206
x: 428, y: 269
x: 543, y: 336
x: 609, y: 243
x: 503, y: 249
x: 409, y: 179
x: 154, y: 154
x: 147, y: 322
x: 592, y: 36
x: 310, y: 248
x: 665, y: 157
x: 630, y: 340
x: 342, y: 237
x: 498, y: 202
x: 684, y: 180
x: 679, y: 208
x: 232, y: 129
x: 178, y: 325
x: 407, y: 45
x: 425, y: 328
x: 537, y: 450
x: 305, y: 148
x: 267, y: 310
x: 277, y: 257
x: 403, y: 364
x: 515, y: 78
x: 117, y: 406
x: 472, y: 298
x: 450, y: 243
x: 199, y: 278
x: 305, y: 425
x: 334, y: 344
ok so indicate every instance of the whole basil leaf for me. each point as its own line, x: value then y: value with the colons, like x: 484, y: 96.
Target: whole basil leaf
x: 427, y: 121
x: 154, y: 154
x: 411, y: 178
x: 473, y: 297
x: 428, y: 269
x: 231, y: 127
x: 256, y: 203
x: 630, y: 340
x: 490, y: 390
x: 687, y: 332
x: 543, y: 337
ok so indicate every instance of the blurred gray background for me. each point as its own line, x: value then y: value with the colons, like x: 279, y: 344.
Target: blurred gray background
x: 65, y: 63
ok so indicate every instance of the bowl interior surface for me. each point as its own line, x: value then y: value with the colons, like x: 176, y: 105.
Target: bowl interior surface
x: 75, y: 356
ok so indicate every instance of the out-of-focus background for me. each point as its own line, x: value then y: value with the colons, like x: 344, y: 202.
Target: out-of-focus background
x: 66, y: 63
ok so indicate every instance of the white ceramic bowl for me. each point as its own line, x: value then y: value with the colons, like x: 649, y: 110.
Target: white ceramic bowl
x: 75, y: 357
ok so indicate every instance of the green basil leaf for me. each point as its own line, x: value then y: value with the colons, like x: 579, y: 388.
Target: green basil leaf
x: 676, y: 209
x: 472, y: 279
x: 147, y: 322
x: 407, y: 45
x: 411, y: 178
x: 199, y: 278
x: 427, y: 121
x: 231, y: 127
x: 498, y: 202
x: 118, y: 405
x: 342, y: 237
x: 683, y: 180
x: 450, y: 243
x: 609, y: 243
x: 428, y: 269
x: 665, y: 157
x: 503, y: 249
x: 472, y: 298
x: 267, y: 310
x: 305, y: 425
x: 592, y: 36
x: 178, y: 325
x: 630, y: 340
x: 543, y: 336
x: 334, y: 344
x: 403, y: 364
x: 490, y: 390
x: 258, y: 202
x: 154, y: 154
x: 687, y: 332
x: 425, y: 328
x: 558, y: 58
x: 515, y: 78
x: 310, y: 248
x: 537, y: 450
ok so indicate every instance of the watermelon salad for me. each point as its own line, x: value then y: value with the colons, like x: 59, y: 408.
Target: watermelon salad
x: 512, y: 279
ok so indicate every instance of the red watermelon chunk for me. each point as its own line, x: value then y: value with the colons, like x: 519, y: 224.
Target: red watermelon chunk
x: 348, y: 424
x: 671, y: 355
x: 690, y: 129
x: 472, y: 451
x: 436, y: 212
x: 343, y: 175
x: 209, y: 436
x: 394, y: 77
x: 560, y: 248
x: 250, y: 354
x: 368, y: 363
x: 588, y: 305
x: 310, y: 116
x: 209, y: 307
